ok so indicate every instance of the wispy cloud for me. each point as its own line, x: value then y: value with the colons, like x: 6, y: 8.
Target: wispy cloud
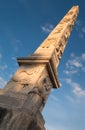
x: 70, y: 98
x: 83, y: 57
x: 83, y: 69
x: 74, y: 61
x: 75, y: 64
x: 13, y: 58
x: 3, y: 67
x: 70, y: 72
x: 77, y: 89
x: 80, y: 27
x: 54, y: 98
x: 2, y: 82
x: 47, y: 28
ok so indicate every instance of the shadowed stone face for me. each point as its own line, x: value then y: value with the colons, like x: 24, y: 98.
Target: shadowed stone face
x: 3, y: 112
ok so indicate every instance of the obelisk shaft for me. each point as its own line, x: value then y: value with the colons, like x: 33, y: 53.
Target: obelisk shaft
x: 60, y: 34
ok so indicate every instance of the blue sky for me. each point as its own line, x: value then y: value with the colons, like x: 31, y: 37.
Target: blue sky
x: 24, y: 24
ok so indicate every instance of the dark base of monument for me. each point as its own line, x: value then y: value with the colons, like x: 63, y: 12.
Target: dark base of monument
x: 20, y: 120
x: 15, y: 116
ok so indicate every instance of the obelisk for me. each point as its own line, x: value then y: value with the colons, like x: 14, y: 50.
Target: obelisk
x: 24, y: 96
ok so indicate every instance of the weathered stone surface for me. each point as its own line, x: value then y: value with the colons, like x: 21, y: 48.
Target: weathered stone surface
x: 20, y: 120
x: 24, y: 96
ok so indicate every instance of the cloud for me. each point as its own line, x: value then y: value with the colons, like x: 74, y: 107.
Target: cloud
x: 77, y: 89
x: 47, y: 28
x: 70, y: 72
x: 80, y: 28
x: 70, y: 98
x: 75, y: 64
x: 83, y: 57
x: 2, y: 82
x: 78, y: 22
x: 13, y: 58
x: 3, y: 67
x: 54, y: 98
x: 74, y: 61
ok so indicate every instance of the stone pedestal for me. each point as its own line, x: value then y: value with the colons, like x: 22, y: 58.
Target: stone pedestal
x: 23, y: 98
x: 20, y: 119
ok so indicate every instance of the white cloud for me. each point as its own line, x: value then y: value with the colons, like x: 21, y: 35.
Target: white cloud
x: 77, y: 90
x: 70, y: 72
x: 75, y: 64
x: 68, y: 80
x: 2, y: 82
x: 47, y: 28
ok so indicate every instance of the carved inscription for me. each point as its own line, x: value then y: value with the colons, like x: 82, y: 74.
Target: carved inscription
x: 61, y: 32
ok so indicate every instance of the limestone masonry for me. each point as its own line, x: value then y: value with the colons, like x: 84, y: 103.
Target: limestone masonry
x: 24, y: 96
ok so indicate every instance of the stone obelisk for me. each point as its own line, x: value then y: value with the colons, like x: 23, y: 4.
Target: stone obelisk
x: 24, y: 96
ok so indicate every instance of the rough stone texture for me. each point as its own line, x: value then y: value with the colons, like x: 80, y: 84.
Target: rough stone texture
x: 24, y: 96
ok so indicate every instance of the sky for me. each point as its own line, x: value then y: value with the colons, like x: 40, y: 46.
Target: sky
x: 24, y: 24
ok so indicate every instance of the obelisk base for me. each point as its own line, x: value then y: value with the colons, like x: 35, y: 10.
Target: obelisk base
x: 20, y: 120
x: 14, y: 117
